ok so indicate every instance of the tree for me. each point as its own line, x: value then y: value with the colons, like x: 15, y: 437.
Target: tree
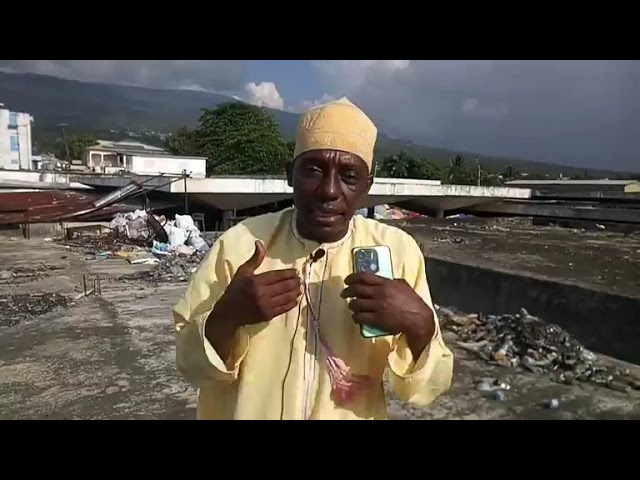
x: 76, y: 143
x: 457, y: 173
x: 395, y: 166
x: 290, y: 147
x: 182, y: 142
x: 238, y: 138
x: 509, y: 174
x: 405, y: 165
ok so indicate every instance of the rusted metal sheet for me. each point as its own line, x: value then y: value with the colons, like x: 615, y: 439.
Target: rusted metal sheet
x: 72, y: 208
x: 20, y: 201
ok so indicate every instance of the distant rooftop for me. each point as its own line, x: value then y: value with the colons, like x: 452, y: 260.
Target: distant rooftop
x: 132, y: 147
x: 571, y: 182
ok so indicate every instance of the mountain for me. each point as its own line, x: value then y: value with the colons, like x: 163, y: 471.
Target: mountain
x: 104, y: 108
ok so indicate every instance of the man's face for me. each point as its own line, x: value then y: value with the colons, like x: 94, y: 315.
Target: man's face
x: 327, y: 188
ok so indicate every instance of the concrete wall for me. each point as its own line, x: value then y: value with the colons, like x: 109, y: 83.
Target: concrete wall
x: 12, y: 159
x: 148, y: 165
x: 602, y: 322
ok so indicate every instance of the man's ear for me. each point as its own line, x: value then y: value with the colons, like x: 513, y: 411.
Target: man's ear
x: 372, y: 175
x: 289, y: 172
x: 370, y: 180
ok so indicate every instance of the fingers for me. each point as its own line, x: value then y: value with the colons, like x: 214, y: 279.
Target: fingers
x: 285, y: 299
x: 364, y: 278
x: 293, y: 286
x: 360, y: 291
x: 251, y: 265
x: 277, y: 276
x: 284, y: 308
x: 362, y: 306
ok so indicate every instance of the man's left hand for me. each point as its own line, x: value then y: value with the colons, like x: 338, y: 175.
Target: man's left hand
x: 390, y: 305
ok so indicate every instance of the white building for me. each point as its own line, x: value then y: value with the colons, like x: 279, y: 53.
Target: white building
x: 135, y: 157
x: 15, y: 140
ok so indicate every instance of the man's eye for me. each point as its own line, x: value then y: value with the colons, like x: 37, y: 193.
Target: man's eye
x: 350, y: 176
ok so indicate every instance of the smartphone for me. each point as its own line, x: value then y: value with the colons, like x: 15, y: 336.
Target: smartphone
x: 376, y: 260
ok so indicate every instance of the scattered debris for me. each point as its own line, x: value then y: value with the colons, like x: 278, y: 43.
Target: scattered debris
x: 552, y: 404
x: 15, y: 309
x: 456, y: 240
x: 22, y: 274
x: 175, y: 268
x: 499, y: 395
x: 492, y: 385
x: 528, y: 342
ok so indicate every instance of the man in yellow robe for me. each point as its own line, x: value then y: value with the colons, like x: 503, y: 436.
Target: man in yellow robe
x: 269, y: 326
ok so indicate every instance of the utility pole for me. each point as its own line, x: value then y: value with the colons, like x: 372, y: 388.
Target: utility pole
x: 186, y: 196
x: 64, y: 139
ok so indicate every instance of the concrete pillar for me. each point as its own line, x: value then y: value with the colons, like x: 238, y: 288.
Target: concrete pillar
x: 227, y: 215
x: 440, y: 214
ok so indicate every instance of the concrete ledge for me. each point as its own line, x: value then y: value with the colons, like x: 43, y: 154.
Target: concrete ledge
x: 603, y: 322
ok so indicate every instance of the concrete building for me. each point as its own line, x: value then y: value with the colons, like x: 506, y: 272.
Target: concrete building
x: 584, y: 187
x: 134, y: 157
x: 15, y: 140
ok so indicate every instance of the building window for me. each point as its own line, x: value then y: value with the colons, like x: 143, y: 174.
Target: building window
x: 14, y: 143
x: 13, y: 120
x: 15, y: 161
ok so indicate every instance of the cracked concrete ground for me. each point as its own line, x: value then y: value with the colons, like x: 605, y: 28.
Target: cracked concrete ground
x: 112, y: 356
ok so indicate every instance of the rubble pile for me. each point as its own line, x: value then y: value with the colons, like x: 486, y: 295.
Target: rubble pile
x: 528, y: 342
x: 18, y: 308
x: 176, y: 247
x: 175, y: 268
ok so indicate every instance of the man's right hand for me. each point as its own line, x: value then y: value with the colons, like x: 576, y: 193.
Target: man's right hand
x: 251, y: 298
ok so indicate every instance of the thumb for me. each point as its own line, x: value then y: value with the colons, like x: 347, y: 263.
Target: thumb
x: 251, y: 265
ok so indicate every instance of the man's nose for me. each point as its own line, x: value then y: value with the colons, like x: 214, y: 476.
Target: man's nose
x: 330, y: 187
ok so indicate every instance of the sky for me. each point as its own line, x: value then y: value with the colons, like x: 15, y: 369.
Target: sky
x: 577, y: 112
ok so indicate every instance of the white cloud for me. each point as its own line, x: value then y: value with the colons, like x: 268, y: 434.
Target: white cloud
x: 264, y: 94
x: 348, y: 75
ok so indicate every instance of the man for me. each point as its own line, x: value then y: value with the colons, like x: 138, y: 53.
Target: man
x: 269, y: 327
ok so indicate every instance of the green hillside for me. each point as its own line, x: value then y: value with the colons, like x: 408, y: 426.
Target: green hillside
x: 115, y: 111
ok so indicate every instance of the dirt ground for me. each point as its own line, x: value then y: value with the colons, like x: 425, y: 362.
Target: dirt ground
x: 111, y: 356
x: 595, y: 260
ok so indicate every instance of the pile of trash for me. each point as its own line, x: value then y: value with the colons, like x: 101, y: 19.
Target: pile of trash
x: 18, y: 308
x: 180, y: 236
x: 528, y: 342
x: 176, y: 268
x: 176, y: 246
